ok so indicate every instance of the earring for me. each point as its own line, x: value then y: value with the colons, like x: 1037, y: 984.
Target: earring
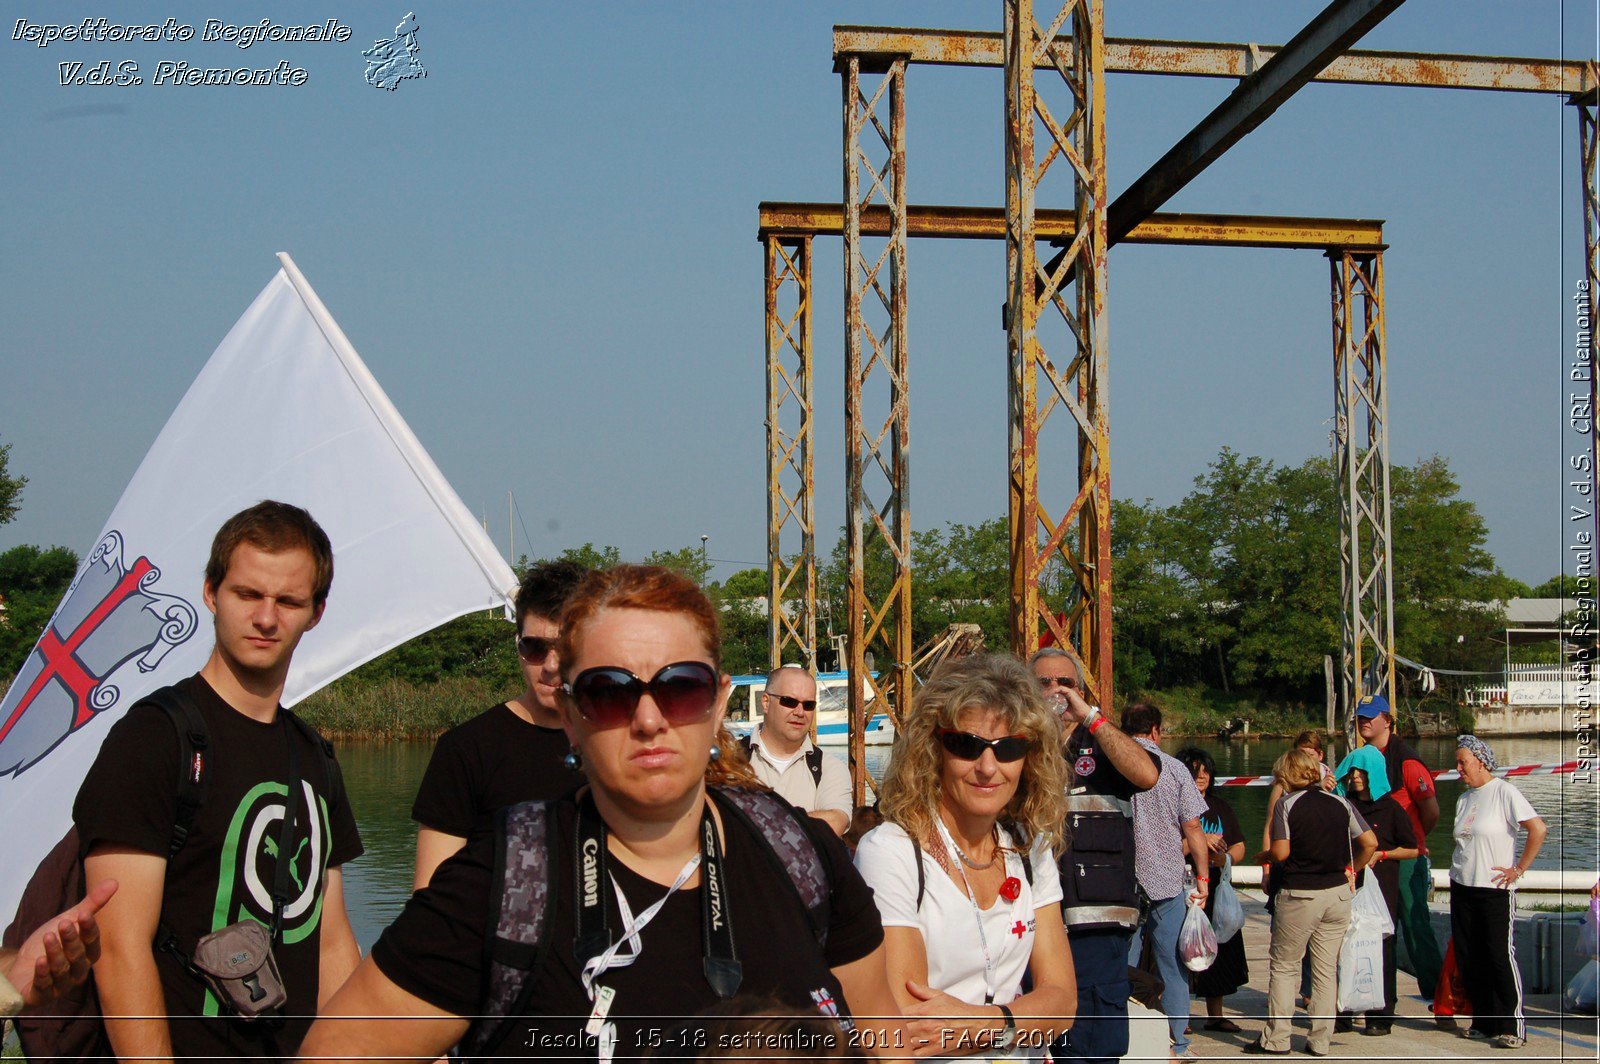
x: 573, y: 760
x: 716, y: 752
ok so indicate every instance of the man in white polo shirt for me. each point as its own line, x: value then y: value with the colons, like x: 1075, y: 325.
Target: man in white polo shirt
x: 784, y: 757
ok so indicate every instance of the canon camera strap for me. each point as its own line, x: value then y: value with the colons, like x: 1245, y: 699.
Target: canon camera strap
x: 590, y: 866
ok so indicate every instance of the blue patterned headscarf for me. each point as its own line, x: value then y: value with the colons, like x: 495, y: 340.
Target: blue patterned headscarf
x: 1479, y: 749
x: 1368, y: 759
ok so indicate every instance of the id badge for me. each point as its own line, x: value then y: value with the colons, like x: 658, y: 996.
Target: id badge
x: 603, y: 996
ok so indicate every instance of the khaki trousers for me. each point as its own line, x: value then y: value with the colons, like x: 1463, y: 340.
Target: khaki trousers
x: 1305, y: 918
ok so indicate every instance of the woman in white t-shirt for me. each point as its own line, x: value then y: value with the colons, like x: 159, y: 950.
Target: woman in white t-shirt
x: 1484, y: 871
x: 963, y: 870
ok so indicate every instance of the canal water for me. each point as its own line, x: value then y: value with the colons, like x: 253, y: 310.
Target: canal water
x: 382, y: 779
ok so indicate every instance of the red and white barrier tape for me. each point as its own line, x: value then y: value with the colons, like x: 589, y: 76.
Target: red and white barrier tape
x: 1452, y: 774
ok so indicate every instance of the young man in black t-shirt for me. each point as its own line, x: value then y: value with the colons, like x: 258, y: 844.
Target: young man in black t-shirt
x: 513, y: 751
x: 266, y: 583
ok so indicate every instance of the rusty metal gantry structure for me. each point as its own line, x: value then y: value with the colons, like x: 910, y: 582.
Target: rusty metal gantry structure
x: 1360, y: 357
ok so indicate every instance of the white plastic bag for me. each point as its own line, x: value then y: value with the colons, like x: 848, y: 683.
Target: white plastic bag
x: 1197, y: 942
x: 1589, y: 940
x: 1227, y: 915
x: 1368, y: 904
x: 1584, y: 989
x: 1361, y: 962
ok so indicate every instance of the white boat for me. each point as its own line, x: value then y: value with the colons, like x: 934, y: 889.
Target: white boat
x: 833, y: 711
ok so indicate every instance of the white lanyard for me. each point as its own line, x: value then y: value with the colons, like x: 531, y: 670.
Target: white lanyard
x: 598, y: 1026
x: 614, y: 957
x: 977, y: 914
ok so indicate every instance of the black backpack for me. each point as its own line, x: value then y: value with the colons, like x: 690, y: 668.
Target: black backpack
x: 813, y: 757
x: 73, y: 1029
x: 517, y: 948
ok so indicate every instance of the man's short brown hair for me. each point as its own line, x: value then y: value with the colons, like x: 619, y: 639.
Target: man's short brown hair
x: 273, y: 527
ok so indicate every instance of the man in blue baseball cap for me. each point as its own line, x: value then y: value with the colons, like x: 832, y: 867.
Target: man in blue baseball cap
x: 1413, y: 788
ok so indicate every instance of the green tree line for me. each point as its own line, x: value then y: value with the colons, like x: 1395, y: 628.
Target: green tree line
x: 1235, y: 587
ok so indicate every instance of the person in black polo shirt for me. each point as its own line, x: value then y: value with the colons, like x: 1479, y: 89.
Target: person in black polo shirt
x: 1100, y: 901
x: 1321, y: 843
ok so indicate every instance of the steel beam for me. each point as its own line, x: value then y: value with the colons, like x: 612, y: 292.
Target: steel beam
x: 877, y: 478
x: 875, y: 45
x: 791, y: 484
x: 1341, y: 24
x: 988, y: 223
x: 1048, y: 130
x: 1361, y: 435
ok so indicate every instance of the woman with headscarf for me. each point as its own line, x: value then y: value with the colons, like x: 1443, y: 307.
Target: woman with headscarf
x: 1225, y: 839
x: 1364, y: 779
x: 1484, y: 871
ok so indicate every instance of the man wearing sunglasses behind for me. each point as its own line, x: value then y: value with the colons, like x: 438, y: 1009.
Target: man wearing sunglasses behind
x: 511, y: 752
x: 785, y: 758
x: 1101, y: 901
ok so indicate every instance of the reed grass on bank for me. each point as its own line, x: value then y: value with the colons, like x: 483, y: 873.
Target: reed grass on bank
x: 389, y: 710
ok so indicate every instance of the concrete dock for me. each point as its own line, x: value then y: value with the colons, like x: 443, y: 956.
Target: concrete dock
x: 1552, y: 1035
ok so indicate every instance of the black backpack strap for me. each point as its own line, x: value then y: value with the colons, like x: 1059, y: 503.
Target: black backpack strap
x: 330, y: 761
x: 790, y: 848
x: 814, y: 763
x: 515, y: 945
x: 194, y: 748
x: 1023, y: 840
x: 922, y: 876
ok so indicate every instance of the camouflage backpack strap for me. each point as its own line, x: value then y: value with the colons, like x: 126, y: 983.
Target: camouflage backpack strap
x: 517, y: 919
x: 789, y: 847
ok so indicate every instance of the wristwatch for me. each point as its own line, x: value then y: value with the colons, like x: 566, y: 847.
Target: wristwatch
x: 1008, y: 1037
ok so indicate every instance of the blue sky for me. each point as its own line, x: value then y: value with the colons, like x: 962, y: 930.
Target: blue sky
x: 546, y: 252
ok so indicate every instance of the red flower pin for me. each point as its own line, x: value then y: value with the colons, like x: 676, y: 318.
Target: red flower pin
x: 1011, y: 888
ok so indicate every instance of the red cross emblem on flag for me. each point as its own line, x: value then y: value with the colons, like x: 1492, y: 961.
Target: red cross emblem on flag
x: 109, y: 616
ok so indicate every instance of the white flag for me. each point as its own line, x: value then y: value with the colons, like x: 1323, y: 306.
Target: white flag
x: 285, y: 409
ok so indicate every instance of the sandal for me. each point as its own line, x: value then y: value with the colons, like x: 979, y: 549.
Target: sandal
x: 1223, y: 1025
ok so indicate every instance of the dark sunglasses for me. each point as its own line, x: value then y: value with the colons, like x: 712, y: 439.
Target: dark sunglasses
x: 789, y: 702
x: 607, y: 696
x: 1069, y: 682
x: 535, y: 647
x: 969, y: 747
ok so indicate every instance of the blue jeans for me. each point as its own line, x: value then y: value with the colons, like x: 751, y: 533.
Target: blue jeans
x: 1165, y: 921
x: 1099, y: 1034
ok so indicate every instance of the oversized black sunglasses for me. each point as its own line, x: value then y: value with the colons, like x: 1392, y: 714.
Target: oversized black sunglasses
x: 607, y: 696
x: 789, y: 701
x: 534, y: 648
x: 969, y: 747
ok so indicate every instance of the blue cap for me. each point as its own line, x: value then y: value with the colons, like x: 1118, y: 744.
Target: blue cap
x: 1371, y: 705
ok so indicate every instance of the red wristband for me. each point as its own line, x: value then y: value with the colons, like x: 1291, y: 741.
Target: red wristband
x: 1095, y: 724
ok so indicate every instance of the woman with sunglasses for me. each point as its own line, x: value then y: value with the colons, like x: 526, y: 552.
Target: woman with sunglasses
x: 661, y: 895
x: 962, y: 868
x: 512, y: 751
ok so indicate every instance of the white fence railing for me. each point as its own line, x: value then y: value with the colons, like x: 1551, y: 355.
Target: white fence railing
x: 1540, y: 685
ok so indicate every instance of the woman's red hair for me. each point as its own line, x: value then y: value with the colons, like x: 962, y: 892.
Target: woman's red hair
x: 656, y: 588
